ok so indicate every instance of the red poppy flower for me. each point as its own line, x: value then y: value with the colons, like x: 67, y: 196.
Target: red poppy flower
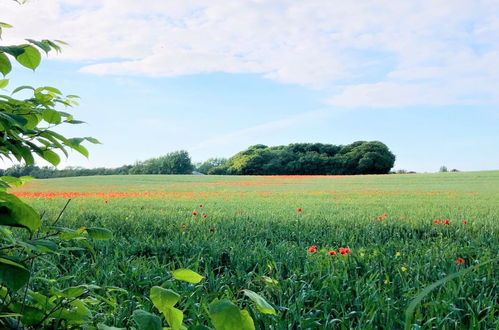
x: 446, y: 222
x: 194, y: 213
x: 459, y: 261
x: 239, y: 211
x: 299, y: 209
x: 436, y: 221
x: 184, y: 226
x: 380, y: 218
x: 385, y: 215
x: 200, y: 205
x: 402, y: 218
x: 205, y: 216
x: 213, y: 230
x: 465, y: 222
x: 332, y: 253
x: 312, y: 249
x: 344, y: 251
x: 409, y: 219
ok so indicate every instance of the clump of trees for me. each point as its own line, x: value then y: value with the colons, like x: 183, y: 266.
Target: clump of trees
x: 178, y: 162
x: 360, y: 157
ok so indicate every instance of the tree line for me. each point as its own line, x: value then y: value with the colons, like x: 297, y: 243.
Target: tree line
x: 360, y: 157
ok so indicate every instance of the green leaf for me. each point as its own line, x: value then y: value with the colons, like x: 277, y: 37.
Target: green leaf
x: 162, y: 298
x: 146, y: 321
x: 5, y: 65
x: 72, y: 292
x: 16, y: 213
x: 45, y: 46
x: 30, y: 58
x: 187, y: 275
x: 4, y: 83
x: 261, y: 304
x: 174, y: 317
x: 5, y: 25
x: 20, y: 88
x: 92, y: 140
x: 12, y: 274
x: 51, y: 157
x: 225, y: 315
x: 51, y: 116
x: 99, y: 233
x: 44, y: 245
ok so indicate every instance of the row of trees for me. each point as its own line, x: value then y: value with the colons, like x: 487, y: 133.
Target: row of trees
x: 300, y: 158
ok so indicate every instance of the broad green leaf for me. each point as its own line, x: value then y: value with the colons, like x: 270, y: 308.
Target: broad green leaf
x: 51, y: 116
x: 4, y: 83
x: 5, y: 25
x: 162, y: 298
x: 225, y: 315
x: 51, y: 157
x: 174, y: 317
x: 146, y: 321
x: 99, y: 233
x: 261, y: 304
x: 187, y: 275
x: 72, y: 292
x: 12, y: 274
x: 16, y: 213
x: 5, y: 65
x: 30, y: 58
x: 44, y: 245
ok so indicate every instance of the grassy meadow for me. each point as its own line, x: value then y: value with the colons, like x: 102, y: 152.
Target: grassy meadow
x: 256, y: 232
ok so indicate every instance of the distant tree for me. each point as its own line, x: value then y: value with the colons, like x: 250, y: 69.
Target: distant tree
x: 443, y: 169
x: 178, y: 162
x: 207, y: 165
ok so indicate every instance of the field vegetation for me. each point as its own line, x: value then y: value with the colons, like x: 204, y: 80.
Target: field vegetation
x: 323, y: 251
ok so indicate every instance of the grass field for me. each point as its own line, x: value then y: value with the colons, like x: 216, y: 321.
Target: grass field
x: 258, y: 228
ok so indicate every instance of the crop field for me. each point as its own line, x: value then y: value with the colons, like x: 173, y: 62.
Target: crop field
x: 325, y: 251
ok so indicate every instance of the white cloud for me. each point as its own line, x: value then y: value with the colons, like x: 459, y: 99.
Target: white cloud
x: 365, y: 53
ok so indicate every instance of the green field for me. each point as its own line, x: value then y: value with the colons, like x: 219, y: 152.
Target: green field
x: 253, y: 231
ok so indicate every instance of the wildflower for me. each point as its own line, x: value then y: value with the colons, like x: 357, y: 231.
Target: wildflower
x: 385, y: 215
x: 213, y: 230
x: 312, y: 249
x: 402, y: 218
x: 380, y: 218
x: 299, y: 209
x: 436, y: 221
x: 344, y: 251
x: 397, y: 254
x: 465, y: 222
x: 409, y: 219
x: 106, y: 201
x: 239, y: 211
x: 446, y: 222
x: 332, y: 253
x: 184, y: 226
x: 459, y: 261
x: 205, y: 216
x: 201, y: 205
x: 404, y: 269
x: 194, y: 213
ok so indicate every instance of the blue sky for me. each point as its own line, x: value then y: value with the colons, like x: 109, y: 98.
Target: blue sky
x: 215, y: 79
